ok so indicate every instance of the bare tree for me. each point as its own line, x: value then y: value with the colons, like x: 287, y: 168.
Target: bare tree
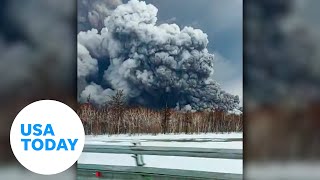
x: 187, y: 122
x: 117, y: 103
x: 165, y: 119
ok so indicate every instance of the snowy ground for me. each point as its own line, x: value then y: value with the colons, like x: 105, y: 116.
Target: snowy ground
x: 225, y: 141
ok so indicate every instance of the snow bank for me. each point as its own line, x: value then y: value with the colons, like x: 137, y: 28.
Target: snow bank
x: 210, y: 140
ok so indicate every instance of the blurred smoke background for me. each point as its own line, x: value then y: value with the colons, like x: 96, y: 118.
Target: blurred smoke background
x: 281, y: 80
x: 37, y: 61
x: 281, y: 89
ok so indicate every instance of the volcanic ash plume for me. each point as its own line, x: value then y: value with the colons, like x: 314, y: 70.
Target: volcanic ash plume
x: 155, y: 65
x: 91, y: 13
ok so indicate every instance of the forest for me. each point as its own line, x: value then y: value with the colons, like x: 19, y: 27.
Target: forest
x: 118, y: 118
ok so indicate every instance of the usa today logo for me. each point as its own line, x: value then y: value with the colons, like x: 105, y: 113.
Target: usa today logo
x: 47, y: 137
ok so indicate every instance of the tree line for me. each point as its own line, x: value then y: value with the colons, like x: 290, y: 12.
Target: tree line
x: 117, y: 118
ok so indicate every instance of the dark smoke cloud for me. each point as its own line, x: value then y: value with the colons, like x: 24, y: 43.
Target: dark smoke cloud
x: 154, y: 64
x: 25, y: 53
x: 282, y: 54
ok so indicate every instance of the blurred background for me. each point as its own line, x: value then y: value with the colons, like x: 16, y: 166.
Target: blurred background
x: 281, y: 89
x: 37, y: 61
x: 281, y: 80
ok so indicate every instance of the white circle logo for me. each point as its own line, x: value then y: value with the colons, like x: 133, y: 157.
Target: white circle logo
x: 47, y: 137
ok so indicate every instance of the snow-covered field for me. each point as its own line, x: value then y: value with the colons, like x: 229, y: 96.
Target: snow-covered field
x: 225, y: 141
